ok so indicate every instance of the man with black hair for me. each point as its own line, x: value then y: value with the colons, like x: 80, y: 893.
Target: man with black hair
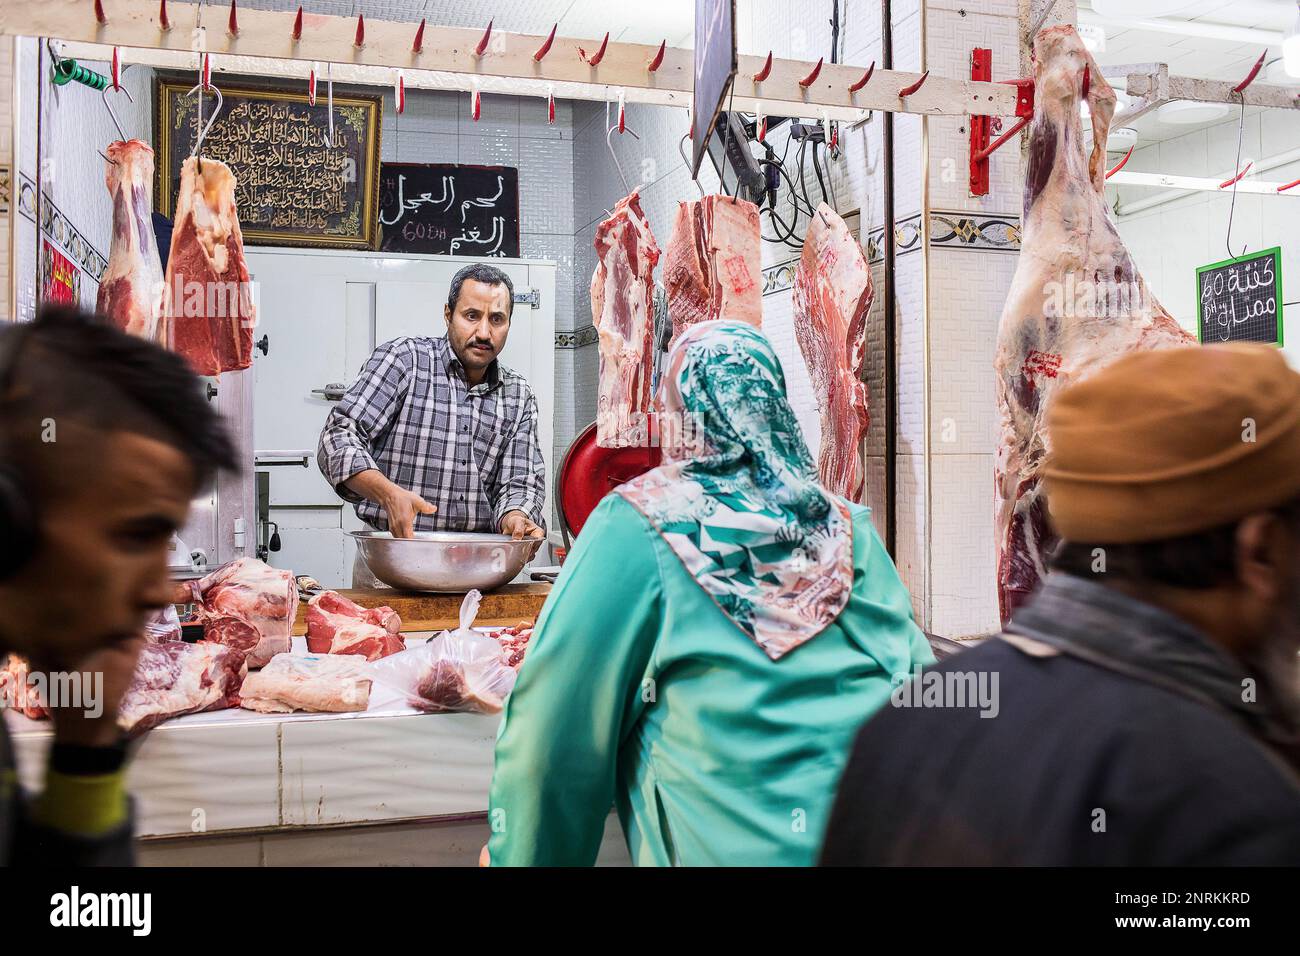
x: 104, y: 441
x: 436, y: 434
x: 1147, y: 705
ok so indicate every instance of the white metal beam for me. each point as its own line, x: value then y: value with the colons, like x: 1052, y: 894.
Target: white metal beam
x: 508, y: 64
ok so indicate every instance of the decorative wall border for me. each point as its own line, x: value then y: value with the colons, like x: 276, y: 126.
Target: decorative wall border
x: 979, y: 231
x: 59, y: 230
x: 578, y: 338
x: 6, y: 180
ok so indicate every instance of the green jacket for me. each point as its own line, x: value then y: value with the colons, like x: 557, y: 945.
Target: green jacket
x: 638, y: 692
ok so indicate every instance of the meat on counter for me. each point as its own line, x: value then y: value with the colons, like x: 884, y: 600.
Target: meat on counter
x: 333, y: 683
x: 336, y: 625
x: 251, y: 591
x: 174, y: 678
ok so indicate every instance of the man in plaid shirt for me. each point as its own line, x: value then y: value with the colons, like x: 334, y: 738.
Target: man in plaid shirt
x: 436, y: 434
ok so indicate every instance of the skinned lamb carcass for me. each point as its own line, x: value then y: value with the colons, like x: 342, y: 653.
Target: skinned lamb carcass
x: 622, y: 309
x: 173, y: 678
x: 832, y: 296
x: 208, y: 313
x: 336, y: 625
x: 131, y: 289
x: 713, y: 264
x: 1076, y: 302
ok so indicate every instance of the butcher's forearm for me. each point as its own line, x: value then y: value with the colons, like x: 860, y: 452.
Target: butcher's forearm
x: 372, y: 485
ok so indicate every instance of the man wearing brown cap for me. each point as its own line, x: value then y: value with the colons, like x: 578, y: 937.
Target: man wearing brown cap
x: 1148, y: 697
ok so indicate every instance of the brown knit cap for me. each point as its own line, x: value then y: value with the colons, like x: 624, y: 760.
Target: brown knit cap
x: 1159, y: 444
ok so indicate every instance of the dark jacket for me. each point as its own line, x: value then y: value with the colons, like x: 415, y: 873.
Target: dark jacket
x: 1120, y: 738
x: 24, y: 842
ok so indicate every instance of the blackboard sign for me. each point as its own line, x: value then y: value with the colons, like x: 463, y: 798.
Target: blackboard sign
x: 292, y: 187
x: 1240, y: 300
x: 445, y: 209
x: 715, y: 68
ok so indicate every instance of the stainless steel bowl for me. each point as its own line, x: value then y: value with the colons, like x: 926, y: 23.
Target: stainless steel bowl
x: 449, y: 561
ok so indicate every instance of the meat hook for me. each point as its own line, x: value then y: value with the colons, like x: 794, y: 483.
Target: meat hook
x: 203, y: 133
x: 109, y: 106
x: 627, y: 190
x: 681, y: 149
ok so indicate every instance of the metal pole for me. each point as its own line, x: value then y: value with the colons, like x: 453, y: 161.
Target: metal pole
x: 890, y: 305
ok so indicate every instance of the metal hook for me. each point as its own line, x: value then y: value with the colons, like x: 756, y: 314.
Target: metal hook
x: 681, y: 150
x: 610, y: 143
x: 203, y: 134
x: 108, y: 106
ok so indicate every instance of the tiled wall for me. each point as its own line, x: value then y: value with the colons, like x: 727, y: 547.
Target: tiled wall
x: 7, y: 177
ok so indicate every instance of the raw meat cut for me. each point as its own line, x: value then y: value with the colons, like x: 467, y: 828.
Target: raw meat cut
x: 514, y: 642
x: 248, y: 589
x: 622, y: 309
x: 208, y: 313
x: 713, y: 267
x: 446, y: 687
x: 131, y: 289
x: 336, y: 625
x: 174, y: 678
x: 233, y: 631
x: 329, y: 684
x: 15, y: 691
x: 832, y: 295
x: 1076, y: 302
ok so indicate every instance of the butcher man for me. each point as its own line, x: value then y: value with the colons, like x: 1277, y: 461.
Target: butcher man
x: 436, y: 434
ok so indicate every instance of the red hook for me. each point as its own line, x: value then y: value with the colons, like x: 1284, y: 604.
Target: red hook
x: 762, y: 128
x: 811, y: 78
x: 483, y: 43
x: 100, y: 15
x: 909, y: 90
x: 311, y: 86
x: 418, y: 45
x: 1087, y: 80
x: 1250, y: 77
x: 659, y: 57
x: 550, y: 107
x: 476, y: 104
x: 1283, y: 189
x: 600, y: 54
x: 117, y: 69
x: 163, y: 21
x: 1120, y: 165
x: 360, y: 40
x: 545, y: 48
x: 233, y: 23
x: 1237, y: 178
x: 399, y: 94
x: 762, y: 74
x: 206, y: 75
x: 297, y: 26
x: 865, y: 77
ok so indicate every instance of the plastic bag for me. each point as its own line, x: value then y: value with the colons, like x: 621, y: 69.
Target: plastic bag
x: 456, y: 671
x: 163, y: 625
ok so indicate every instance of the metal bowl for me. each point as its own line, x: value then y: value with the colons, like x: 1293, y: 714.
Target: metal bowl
x: 449, y: 561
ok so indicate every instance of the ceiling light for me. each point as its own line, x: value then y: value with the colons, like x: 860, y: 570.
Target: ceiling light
x: 1093, y: 36
x: 1191, y: 113
x: 1291, y: 47
x: 1137, y: 9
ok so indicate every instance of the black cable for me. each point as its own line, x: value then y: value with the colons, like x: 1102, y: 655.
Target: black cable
x: 803, y: 177
x: 817, y: 168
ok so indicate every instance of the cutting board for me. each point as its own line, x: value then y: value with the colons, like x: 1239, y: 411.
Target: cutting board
x: 436, y: 612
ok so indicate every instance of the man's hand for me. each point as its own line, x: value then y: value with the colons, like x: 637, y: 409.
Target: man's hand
x: 94, y: 724
x: 518, y: 525
x: 401, y: 506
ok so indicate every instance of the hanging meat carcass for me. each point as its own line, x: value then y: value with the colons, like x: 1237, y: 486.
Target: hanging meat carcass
x: 131, y: 289
x: 1076, y: 302
x: 622, y: 309
x: 713, y: 267
x: 832, y: 295
x: 208, y: 313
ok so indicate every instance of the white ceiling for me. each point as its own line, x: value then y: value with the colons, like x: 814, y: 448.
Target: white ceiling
x: 1212, y: 39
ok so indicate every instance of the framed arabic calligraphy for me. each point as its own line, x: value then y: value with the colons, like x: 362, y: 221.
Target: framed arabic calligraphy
x: 1240, y: 300
x: 292, y: 188
x: 446, y: 209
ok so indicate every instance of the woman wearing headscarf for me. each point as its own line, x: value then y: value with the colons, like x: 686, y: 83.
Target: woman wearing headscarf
x: 721, y: 629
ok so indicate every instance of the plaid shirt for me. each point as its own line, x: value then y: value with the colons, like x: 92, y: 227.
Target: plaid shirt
x: 472, y: 452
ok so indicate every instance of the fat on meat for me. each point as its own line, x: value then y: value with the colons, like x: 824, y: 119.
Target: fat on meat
x: 131, y: 288
x: 17, y: 692
x: 254, y: 592
x: 319, y: 683
x: 173, y: 678
x: 713, y: 264
x: 208, y: 313
x: 832, y: 296
x: 336, y: 625
x: 622, y: 309
x: 1076, y: 304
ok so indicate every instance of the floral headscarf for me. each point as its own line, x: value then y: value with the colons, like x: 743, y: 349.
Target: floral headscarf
x: 738, y: 498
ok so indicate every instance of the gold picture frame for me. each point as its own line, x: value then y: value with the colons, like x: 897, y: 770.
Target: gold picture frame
x: 357, y: 227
